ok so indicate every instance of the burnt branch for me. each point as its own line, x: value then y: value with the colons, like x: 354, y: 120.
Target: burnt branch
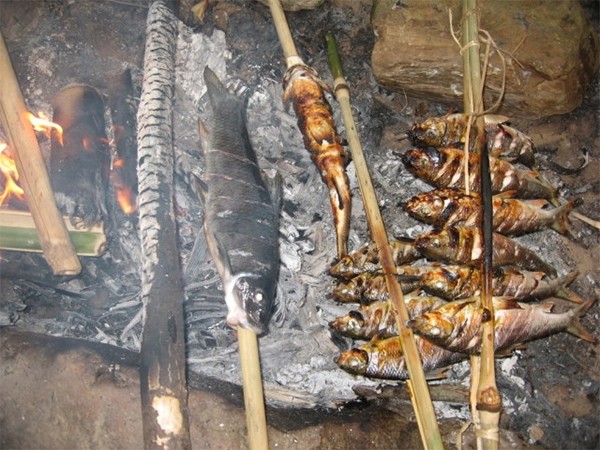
x: 162, y: 372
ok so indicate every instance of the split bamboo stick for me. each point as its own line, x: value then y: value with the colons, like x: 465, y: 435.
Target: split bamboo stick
x: 52, y: 232
x: 420, y: 397
x: 486, y: 411
x: 18, y: 233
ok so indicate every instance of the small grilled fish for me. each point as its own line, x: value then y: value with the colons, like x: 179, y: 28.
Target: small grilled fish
x: 456, y: 326
x: 463, y: 245
x: 503, y: 141
x: 511, y: 216
x: 383, y: 358
x: 240, y: 219
x: 379, y: 318
x: 371, y: 286
x: 366, y: 259
x: 303, y: 87
x: 453, y: 282
x: 443, y: 167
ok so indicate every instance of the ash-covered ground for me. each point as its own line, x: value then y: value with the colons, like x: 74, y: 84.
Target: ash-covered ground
x: 550, y: 389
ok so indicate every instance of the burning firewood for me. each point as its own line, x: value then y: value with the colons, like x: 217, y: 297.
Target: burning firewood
x: 80, y: 157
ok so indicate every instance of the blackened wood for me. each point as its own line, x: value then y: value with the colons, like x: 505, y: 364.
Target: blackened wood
x: 162, y: 371
x: 123, y: 173
x: 52, y: 232
x: 80, y: 157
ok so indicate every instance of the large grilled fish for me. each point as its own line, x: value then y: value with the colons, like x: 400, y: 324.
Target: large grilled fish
x: 240, y: 219
x: 383, y: 358
x: 379, y: 318
x: 464, y: 245
x: 502, y: 140
x: 443, y: 167
x: 456, y: 326
x: 366, y: 259
x: 511, y: 216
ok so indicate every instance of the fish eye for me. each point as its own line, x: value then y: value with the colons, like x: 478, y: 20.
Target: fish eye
x: 435, y: 331
x: 431, y: 134
x: 426, y: 211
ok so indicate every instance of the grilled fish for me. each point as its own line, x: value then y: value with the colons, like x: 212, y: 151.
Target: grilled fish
x: 371, y: 286
x: 511, y: 216
x: 463, y: 245
x: 303, y: 87
x: 456, y: 326
x: 383, y: 358
x: 366, y: 259
x: 443, y: 167
x: 379, y: 318
x: 453, y: 282
x: 240, y: 219
x: 503, y: 141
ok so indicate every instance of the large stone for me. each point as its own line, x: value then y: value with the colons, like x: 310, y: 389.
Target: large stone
x: 555, y: 52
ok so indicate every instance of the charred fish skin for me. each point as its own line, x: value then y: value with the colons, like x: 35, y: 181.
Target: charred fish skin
x: 463, y: 245
x: 456, y: 326
x: 241, y: 222
x: 443, y: 167
x: 384, y: 359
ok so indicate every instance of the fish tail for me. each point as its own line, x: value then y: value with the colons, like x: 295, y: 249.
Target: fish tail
x: 561, y: 222
x: 568, y: 294
x: 576, y: 328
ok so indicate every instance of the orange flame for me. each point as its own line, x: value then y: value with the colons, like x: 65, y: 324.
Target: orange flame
x: 8, y: 171
x: 125, y: 196
x: 45, y: 125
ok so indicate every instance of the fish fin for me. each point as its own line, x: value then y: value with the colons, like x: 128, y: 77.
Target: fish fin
x: 273, y: 184
x: 439, y: 374
x: 506, y: 194
x: 536, y: 203
x: 506, y: 303
x: 568, y: 294
x: 498, y: 119
x: 576, y: 328
x: 204, y: 136
x: 561, y: 223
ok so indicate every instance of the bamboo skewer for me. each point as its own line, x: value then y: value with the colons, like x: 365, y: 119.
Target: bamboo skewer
x: 488, y: 403
x: 254, y: 402
x: 420, y: 397
x: 285, y: 36
x: 52, y: 232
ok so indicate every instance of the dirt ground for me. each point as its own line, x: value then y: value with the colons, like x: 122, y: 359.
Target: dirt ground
x: 60, y: 393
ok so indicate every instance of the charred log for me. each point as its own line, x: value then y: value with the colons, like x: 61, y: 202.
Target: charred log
x: 80, y: 157
x: 162, y: 372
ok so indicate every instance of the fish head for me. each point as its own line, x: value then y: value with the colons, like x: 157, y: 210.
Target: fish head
x: 423, y: 162
x: 351, y: 324
x: 344, y: 268
x: 434, y: 244
x: 425, y: 207
x: 252, y: 303
x: 354, y: 361
x: 430, y: 132
x: 432, y: 325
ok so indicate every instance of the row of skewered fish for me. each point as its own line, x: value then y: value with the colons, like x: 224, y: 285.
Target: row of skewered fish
x: 439, y: 271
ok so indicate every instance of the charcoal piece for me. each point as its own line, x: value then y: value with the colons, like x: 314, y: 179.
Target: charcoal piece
x: 80, y: 159
x: 123, y: 174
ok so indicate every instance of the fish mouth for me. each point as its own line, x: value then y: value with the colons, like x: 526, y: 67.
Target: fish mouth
x: 240, y: 318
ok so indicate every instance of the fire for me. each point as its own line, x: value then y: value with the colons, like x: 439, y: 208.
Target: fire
x: 125, y: 196
x: 8, y: 171
x: 43, y: 124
